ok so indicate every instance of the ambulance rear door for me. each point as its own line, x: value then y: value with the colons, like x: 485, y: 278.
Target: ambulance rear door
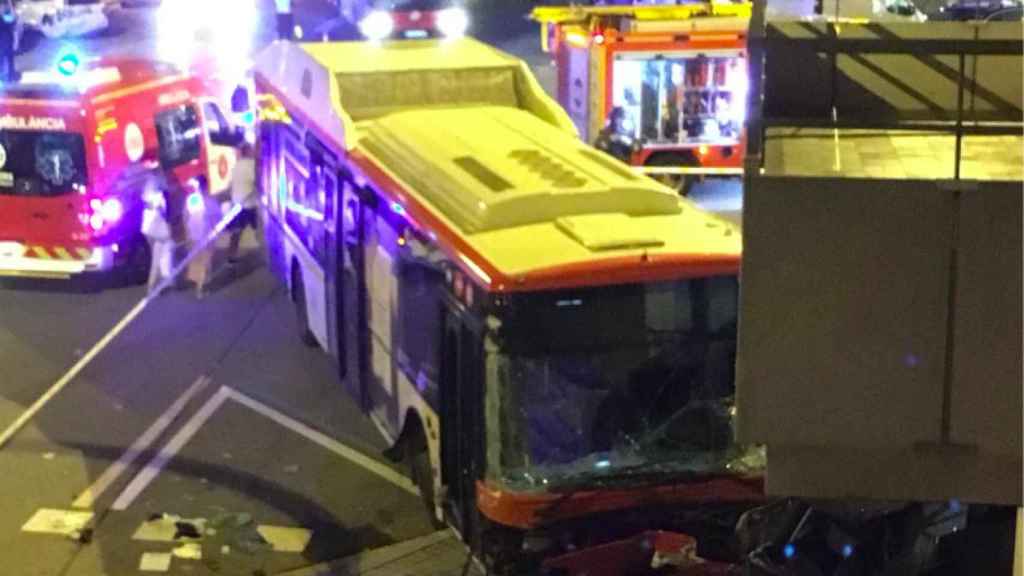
x: 43, y: 173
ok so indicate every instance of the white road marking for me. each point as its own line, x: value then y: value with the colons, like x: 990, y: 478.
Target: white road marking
x: 114, y: 332
x: 89, y: 496
x: 63, y: 522
x: 142, y: 480
x: 326, y: 442
x: 182, y: 437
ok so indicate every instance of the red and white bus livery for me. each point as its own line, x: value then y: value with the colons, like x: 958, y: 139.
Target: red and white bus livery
x: 73, y: 142
x: 546, y: 336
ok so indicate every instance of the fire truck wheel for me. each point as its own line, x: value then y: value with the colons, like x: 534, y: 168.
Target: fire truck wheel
x: 301, y: 314
x: 680, y: 183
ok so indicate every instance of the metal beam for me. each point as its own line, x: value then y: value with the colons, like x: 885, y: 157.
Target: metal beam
x: 918, y: 46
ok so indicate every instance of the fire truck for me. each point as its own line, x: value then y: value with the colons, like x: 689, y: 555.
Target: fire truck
x: 677, y: 73
x: 74, y: 141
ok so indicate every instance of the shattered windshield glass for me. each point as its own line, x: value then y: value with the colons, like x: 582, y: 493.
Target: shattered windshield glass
x: 627, y: 383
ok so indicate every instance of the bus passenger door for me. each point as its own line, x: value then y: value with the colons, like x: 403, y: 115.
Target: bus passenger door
x: 462, y: 430
x: 379, y: 251
x: 352, y: 317
x: 334, y: 268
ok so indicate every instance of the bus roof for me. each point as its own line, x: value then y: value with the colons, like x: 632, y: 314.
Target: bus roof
x: 406, y: 56
x: 462, y: 140
x: 534, y: 207
x: 491, y: 167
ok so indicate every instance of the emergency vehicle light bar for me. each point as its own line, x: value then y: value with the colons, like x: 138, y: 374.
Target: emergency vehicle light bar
x: 580, y: 14
x: 83, y: 80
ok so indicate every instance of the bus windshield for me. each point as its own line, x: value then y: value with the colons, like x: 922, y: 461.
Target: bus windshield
x: 618, y: 382
x: 34, y: 163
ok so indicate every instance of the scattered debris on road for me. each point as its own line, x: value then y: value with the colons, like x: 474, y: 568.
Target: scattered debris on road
x: 69, y: 523
x: 155, y: 562
x: 188, y: 551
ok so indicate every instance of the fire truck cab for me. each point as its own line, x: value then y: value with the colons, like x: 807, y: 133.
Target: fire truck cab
x: 74, y: 143
x: 675, y: 75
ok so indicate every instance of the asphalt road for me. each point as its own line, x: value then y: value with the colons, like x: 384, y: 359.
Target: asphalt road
x: 265, y: 435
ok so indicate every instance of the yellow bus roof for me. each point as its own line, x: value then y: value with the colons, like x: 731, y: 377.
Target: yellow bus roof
x: 467, y: 142
x: 529, y: 197
x: 407, y: 55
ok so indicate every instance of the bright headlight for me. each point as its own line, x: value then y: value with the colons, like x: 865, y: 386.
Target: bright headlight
x: 453, y: 22
x: 377, y: 25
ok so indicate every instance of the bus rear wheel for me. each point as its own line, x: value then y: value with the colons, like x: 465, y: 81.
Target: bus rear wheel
x: 301, y: 312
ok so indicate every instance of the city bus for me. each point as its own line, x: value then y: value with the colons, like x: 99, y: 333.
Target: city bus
x: 546, y: 337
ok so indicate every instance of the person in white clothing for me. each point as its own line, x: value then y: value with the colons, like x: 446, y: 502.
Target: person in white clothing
x: 243, y: 193
x: 157, y: 229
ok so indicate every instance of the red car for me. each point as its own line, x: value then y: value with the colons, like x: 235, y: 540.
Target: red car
x: 414, y: 19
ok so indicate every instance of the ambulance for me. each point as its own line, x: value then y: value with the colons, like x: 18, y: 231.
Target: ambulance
x: 75, y: 141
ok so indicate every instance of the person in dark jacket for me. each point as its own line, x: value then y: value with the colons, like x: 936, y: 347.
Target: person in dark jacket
x: 616, y: 138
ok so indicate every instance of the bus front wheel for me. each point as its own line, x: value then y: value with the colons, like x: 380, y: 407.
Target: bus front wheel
x: 418, y: 460
x: 301, y: 312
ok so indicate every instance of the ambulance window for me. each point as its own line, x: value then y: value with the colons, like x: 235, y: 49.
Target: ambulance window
x: 179, y: 135
x: 41, y: 163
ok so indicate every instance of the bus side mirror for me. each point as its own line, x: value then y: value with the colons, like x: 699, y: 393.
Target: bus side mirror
x: 240, y: 100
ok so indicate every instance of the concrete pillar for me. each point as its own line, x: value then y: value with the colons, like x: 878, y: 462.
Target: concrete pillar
x: 1018, y: 555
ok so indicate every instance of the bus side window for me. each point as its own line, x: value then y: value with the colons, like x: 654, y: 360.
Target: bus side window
x: 420, y: 310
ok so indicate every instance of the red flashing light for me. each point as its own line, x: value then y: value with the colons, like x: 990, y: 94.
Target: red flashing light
x: 703, y: 150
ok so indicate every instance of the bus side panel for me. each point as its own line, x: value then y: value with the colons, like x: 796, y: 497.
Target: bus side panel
x: 267, y: 160
x: 300, y: 223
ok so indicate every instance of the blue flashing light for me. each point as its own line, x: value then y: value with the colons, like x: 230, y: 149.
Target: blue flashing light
x: 68, y: 64
x: 398, y: 208
x: 195, y: 202
x: 602, y: 464
x: 249, y: 118
x: 789, y: 551
x: 847, y: 550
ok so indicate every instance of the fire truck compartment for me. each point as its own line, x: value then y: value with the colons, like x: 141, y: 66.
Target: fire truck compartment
x: 682, y: 98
